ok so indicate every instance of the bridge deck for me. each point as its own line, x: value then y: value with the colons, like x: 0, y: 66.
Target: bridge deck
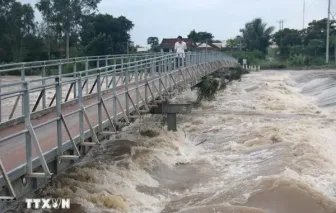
x: 152, y: 84
x: 13, y: 151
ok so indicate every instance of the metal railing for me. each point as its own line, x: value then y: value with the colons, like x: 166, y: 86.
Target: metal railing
x: 60, y: 111
x: 45, y: 71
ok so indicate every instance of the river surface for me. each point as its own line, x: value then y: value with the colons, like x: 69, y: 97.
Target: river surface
x: 267, y: 144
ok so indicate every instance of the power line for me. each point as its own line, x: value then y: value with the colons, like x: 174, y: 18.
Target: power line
x: 307, y: 4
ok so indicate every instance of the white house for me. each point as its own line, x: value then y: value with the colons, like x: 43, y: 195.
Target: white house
x: 143, y: 49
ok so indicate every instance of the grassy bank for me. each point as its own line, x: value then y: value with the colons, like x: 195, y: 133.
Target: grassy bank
x: 293, y: 62
x: 286, y: 66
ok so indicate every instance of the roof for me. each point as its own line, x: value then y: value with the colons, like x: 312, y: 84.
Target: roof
x: 273, y: 46
x: 205, y: 46
x: 220, y: 45
x: 168, y: 43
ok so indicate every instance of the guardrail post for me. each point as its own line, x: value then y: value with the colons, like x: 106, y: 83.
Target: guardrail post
x: 75, y: 74
x: 80, y: 103
x: 26, y: 112
x: 153, y: 71
x: 174, y: 62
x: 146, y: 79
x: 165, y: 70
x: 160, y: 74
x: 86, y: 74
x: 114, y: 90
x: 23, y: 77
x: 59, y: 121
x: 106, y: 70
x: 0, y: 100
x: 137, y: 87
x: 44, y: 104
x: 168, y: 70
x: 194, y: 58
x: 126, y: 86
x: 99, y: 95
x: 60, y: 67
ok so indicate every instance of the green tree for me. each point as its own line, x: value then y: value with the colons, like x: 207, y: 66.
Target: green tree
x: 198, y: 37
x: 205, y: 37
x: 257, y: 35
x: 315, y: 46
x: 66, y: 15
x: 97, y: 46
x: 153, y: 41
x: 109, y: 33
x: 296, y: 50
x: 286, y: 39
x: 317, y: 30
x: 193, y: 36
x: 44, y: 6
x: 234, y: 43
x: 17, y: 22
x: 333, y: 42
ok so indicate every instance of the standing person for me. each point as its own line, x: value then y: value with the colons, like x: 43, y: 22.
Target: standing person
x: 244, y: 63
x: 180, y: 47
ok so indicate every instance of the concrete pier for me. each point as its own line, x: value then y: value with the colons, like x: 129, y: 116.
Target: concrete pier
x: 171, y: 110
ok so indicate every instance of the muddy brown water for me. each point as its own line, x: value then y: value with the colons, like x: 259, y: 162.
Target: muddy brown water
x: 270, y: 149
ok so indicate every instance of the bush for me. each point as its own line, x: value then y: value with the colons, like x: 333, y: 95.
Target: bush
x: 303, y: 60
x: 236, y: 73
x: 273, y: 65
x: 207, y: 88
x: 254, y: 57
x: 313, y: 60
x: 298, y: 60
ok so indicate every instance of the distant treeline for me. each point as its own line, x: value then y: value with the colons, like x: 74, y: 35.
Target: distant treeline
x: 69, y: 28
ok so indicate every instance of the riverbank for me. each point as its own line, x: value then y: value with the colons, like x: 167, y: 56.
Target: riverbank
x: 285, y: 66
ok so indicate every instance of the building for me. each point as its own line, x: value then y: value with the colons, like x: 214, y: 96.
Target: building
x: 168, y: 44
x: 208, y: 47
x: 142, y: 49
x: 220, y: 44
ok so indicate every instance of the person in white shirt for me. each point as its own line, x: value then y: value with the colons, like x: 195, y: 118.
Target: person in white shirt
x: 180, y: 47
x: 244, y: 63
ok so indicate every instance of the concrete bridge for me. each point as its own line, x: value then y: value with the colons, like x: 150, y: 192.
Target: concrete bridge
x: 55, y: 111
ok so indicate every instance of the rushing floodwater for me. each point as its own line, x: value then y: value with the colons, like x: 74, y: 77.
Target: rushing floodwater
x: 268, y: 146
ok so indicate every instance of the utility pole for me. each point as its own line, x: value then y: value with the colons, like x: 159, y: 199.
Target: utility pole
x: 328, y: 32
x: 281, y: 24
x: 304, y: 13
x: 240, y: 44
x: 127, y: 51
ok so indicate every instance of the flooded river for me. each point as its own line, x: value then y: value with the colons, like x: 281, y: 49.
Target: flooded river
x: 267, y: 144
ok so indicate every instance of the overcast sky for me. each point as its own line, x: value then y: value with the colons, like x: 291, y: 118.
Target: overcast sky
x: 223, y: 18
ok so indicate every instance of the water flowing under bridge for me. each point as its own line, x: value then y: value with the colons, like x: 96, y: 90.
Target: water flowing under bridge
x: 54, y: 111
